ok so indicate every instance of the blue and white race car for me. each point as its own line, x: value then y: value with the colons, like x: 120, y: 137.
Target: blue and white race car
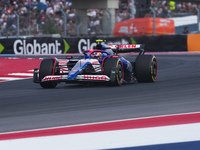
x: 102, y: 64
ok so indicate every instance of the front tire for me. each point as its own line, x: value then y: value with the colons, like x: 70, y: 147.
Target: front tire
x: 146, y: 68
x: 113, y: 68
x: 46, y: 68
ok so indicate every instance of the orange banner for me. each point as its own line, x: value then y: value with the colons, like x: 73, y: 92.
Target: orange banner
x: 144, y: 26
x: 193, y: 41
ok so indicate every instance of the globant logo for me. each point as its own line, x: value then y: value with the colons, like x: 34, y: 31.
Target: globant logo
x: 21, y: 47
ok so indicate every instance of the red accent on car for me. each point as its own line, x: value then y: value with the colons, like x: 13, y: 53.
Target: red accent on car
x: 115, y: 56
x: 54, y: 64
x: 94, y: 50
x: 69, y: 57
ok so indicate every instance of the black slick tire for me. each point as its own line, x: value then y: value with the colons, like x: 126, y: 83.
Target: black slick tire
x: 146, y: 68
x: 113, y: 68
x: 46, y: 68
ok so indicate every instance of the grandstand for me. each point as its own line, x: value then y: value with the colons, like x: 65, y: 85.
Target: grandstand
x: 39, y: 17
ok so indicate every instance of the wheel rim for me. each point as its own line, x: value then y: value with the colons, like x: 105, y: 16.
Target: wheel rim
x: 155, y: 69
x: 120, y: 74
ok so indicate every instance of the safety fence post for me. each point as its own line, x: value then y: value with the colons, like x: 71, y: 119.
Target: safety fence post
x: 198, y: 18
x: 17, y: 23
x: 132, y: 9
x: 154, y: 21
x: 64, y: 22
x: 110, y: 21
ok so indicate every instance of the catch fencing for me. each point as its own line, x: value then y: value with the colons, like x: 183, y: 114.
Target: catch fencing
x: 37, y: 23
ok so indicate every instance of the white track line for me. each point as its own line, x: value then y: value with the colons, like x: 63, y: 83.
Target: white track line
x: 10, y: 79
x: 21, y: 74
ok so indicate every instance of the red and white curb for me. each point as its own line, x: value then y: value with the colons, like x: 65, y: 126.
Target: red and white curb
x: 17, y: 76
x: 17, y: 68
x: 20, y: 68
x: 108, y: 135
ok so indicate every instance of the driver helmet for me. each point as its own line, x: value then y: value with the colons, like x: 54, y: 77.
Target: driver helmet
x: 96, y: 55
x: 99, y: 55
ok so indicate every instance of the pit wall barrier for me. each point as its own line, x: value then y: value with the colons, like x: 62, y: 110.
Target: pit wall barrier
x: 54, y: 45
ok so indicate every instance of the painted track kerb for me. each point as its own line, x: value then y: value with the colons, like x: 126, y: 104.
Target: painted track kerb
x: 109, y: 135
x: 108, y: 126
x: 17, y: 68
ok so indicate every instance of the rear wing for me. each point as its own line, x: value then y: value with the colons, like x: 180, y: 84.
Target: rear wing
x: 128, y: 48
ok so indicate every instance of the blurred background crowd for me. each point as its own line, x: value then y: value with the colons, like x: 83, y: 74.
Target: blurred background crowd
x: 44, y: 16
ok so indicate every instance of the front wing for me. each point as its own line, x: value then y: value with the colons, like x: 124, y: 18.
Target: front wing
x: 64, y: 78
x: 78, y: 78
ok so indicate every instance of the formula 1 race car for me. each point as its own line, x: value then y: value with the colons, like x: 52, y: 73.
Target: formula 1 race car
x: 102, y: 64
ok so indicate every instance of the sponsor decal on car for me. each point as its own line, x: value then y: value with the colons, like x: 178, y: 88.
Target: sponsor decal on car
x: 125, y: 46
x: 54, y: 78
x: 93, y: 77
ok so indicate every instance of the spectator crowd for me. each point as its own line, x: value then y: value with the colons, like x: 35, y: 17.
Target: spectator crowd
x: 35, y: 15
x: 171, y: 8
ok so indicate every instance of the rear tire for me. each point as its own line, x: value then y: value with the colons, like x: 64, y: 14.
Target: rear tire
x: 114, y: 64
x: 46, y: 68
x: 146, y: 68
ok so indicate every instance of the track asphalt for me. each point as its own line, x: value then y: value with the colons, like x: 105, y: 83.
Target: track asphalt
x: 25, y: 105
